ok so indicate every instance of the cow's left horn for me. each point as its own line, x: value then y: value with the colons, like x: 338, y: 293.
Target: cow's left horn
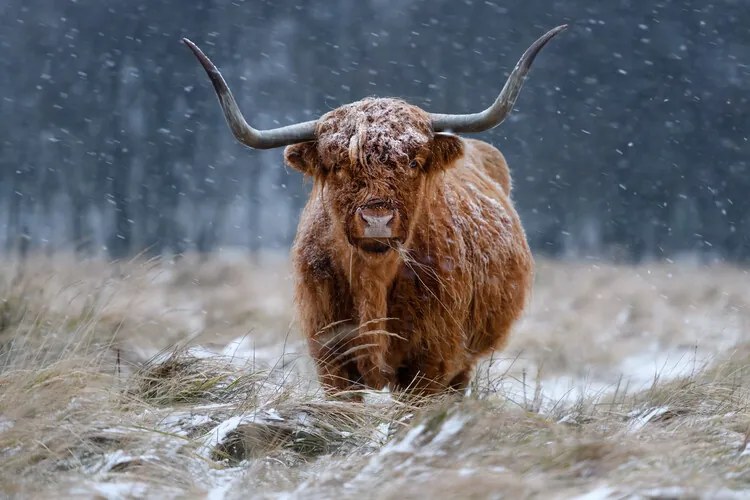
x: 495, y: 114
x: 247, y: 135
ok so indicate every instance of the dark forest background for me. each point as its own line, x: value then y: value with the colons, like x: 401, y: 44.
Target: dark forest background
x: 629, y: 140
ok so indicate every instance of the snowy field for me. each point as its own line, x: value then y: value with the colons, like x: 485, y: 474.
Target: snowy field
x: 189, y: 378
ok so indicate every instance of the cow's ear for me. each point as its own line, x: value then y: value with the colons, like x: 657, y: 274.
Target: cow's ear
x: 303, y: 156
x: 446, y: 149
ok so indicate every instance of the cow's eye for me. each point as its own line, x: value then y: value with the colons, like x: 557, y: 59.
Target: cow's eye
x: 414, y: 164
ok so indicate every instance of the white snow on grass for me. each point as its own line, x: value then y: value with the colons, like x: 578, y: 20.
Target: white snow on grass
x: 653, y: 363
x: 218, y: 434
x: 181, y: 423
x: 406, y: 444
x: 197, y: 352
x: 240, y: 352
x: 449, y: 430
x: 640, y: 420
x: 119, y: 457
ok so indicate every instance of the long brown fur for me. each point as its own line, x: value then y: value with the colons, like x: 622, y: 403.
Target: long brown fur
x: 419, y: 316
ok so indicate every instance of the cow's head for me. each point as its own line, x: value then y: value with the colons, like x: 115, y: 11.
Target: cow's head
x: 376, y: 155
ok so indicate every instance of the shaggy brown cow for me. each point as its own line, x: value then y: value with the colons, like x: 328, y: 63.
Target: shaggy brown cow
x: 411, y: 262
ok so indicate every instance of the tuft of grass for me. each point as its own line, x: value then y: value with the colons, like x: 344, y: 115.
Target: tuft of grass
x: 185, y: 379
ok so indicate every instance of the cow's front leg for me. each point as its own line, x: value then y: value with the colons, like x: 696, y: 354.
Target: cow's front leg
x: 371, y: 345
x: 434, y: 373
x: 337, y: 368
x: 329, y: 340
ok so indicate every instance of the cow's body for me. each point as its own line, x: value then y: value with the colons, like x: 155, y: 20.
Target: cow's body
x: 450, y: 297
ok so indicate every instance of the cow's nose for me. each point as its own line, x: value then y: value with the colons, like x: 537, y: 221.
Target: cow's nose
x: 377, y: 222
x: 380, y: 220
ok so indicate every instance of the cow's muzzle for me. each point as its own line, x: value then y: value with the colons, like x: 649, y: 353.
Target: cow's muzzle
x: 376, y: 228
x: 377, y: 222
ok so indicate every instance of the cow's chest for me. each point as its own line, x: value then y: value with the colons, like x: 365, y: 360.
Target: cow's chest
x: 419, y: 292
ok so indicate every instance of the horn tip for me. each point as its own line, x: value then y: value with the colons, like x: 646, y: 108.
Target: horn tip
x: 198, y: 53
x: 558, y: 29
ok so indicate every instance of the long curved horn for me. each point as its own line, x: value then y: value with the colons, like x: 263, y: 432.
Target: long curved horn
x: 495, y: 114
x: 247, y: 135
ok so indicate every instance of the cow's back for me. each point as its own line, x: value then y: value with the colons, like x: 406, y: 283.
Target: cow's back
x: 488, y: 158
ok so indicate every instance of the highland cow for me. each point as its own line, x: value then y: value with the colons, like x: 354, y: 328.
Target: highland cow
x: 410, y: 260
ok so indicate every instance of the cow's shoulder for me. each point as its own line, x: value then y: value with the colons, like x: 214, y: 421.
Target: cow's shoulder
x: 313, y: 246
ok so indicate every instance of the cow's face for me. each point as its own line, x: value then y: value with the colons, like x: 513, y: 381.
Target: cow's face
x: 374, y: 158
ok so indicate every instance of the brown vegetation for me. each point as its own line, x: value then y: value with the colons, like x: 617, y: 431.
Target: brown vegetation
x: 229, y: 418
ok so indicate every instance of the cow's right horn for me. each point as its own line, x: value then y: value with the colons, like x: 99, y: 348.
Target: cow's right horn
x: 495, y: 114
x: 247, y: 135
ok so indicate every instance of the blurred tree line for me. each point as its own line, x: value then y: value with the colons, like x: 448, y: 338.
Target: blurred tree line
x: 629, y: 141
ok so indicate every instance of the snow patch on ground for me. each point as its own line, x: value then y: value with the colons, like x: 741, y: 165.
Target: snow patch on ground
x: 243, y: 350
x: 643, y: 368
x: 634, y: 373
x: 121, y: 489
x: 600, y: 493
x: 223, y: 481
x: 6, y: 424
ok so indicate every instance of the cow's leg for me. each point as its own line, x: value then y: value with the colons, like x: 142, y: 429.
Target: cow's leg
x: 461, y: 381
x: 370, y: 345
x: 328, y: 340
x: 336, y: 368
x: 420, y: 379
x: 433, y: 376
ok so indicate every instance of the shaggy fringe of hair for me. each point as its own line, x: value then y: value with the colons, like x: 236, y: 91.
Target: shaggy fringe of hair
x: 373, y: 132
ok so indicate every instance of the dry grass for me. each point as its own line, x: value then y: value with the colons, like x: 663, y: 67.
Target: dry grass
x: 103, y: 391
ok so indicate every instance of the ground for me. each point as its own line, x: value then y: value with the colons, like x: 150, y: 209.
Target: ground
x: 188, y: 378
